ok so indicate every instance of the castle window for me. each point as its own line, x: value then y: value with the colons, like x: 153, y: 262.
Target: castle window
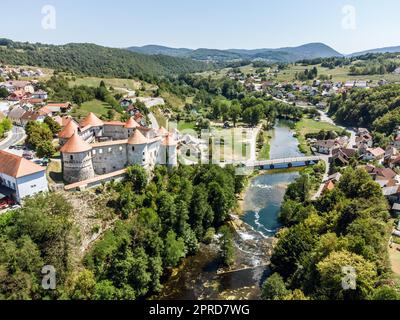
x: 71, y: 157
x: 100, y: 151
x: 143, y: 153
x: 120, y: 148
x: 94, y: 152
x: 109, y: 150
x: 133, y: 148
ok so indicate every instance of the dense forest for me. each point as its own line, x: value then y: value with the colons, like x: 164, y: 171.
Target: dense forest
x: 161, y: 219
x: 377, y: 108
x: 94, y: 60
x: 347, y: 227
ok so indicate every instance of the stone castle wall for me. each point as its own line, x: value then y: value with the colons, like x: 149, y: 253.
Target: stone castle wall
x: 108, y: 159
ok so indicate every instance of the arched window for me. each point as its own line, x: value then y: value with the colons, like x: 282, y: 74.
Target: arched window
x: 133, y: 148
x: 71, y: 157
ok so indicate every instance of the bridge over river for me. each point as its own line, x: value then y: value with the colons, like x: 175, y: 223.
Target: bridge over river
x: 291, y: 162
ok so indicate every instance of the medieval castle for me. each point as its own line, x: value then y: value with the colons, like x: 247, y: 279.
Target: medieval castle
x: 94, y: 148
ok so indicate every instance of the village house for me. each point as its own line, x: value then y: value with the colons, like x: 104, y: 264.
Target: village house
x: 60, y: 107
x: 341, y: 156
x: 16, y: 114
x: 40, y: 94
x: 20, y: 178
x: 376, y: 154
x: 326, y: 146
x: 396, y: 142
x: 384, y: 176
x: 32, y: 116
x: 364, y: 142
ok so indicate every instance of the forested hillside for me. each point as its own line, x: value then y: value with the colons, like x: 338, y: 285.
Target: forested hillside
x: 94, y: 60
x: 377, y: 109
x: 348, y: 226
x: 158, y: 223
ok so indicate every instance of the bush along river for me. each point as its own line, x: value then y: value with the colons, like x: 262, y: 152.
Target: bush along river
x: 201, y: 276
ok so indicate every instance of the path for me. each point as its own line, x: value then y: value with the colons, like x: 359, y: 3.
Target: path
x: 17, y: 135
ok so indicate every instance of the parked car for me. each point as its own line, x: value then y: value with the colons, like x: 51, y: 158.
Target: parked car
x: 28, y: 155
x: 6, y: 203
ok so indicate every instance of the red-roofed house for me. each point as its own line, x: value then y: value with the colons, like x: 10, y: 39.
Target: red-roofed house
x: 61, y: 107
x: 20, y: 178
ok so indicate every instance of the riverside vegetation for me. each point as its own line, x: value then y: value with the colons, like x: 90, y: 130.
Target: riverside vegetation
x: 161, y: 220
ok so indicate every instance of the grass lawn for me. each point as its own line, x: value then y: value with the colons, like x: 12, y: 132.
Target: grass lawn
x: 394, y: 256
x: 110, y: 82
x: 306, y: 126
x: 99, y: 108
x: 173, y: 100
x: 338, y: 74
x: 182, y: 125
x: 162, y: 121
x: 235, y: 146
x: 263, y: 153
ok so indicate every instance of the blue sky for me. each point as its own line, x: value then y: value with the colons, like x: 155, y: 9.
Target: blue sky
x: 218, y: 24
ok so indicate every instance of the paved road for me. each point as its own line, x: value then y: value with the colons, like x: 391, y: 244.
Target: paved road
x: 17, y: 134
x: 154, y: 122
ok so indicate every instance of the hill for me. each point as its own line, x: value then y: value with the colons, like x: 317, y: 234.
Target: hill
x: 288, y: 54
x: 94, y: 60
x: 155, y: 50
x: 378, y: 50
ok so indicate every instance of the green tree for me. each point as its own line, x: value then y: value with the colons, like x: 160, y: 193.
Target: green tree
x: 331, y: 276
x: 45, y: 149
x: 53, y: 125
x: 274, y: 288
x: 174, y: 249
x: 138, y: 177
x: 227, y: 246
x: 4, y: 93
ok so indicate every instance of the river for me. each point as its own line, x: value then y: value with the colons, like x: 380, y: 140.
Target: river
x: 264, y: 197
x: 199, y: 277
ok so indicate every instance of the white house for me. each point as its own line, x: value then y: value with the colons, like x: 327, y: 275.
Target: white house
x: 374, y: 154
x: 326, y: 146
x: 20, y: 178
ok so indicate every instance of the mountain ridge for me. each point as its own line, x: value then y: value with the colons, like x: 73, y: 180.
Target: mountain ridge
x: 289, y: 54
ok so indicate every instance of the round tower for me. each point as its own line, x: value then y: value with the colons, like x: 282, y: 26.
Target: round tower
x: 130, y: 127
x: 169, y: 154
x: 137, y: 149
x: 76, y: 158
x: 68, y: 131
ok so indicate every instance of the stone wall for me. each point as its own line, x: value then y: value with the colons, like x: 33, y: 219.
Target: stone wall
x: 77, y: 166
x: 115, y: 132
x: 108, y: 159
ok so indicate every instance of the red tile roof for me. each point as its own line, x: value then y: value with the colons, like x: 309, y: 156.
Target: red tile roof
x: 137, y: 138
x: 75, y: 145
x: 91, y: 120
x: 17, y: 167
x: 68, y: 130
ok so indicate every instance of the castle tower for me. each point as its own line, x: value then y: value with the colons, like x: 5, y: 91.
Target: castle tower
x: 130, y: 126
x: 168, y: 152
x: 137, y: 149
x: 76, y: 159
x: 95, y: 125
x: 67, y: 132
